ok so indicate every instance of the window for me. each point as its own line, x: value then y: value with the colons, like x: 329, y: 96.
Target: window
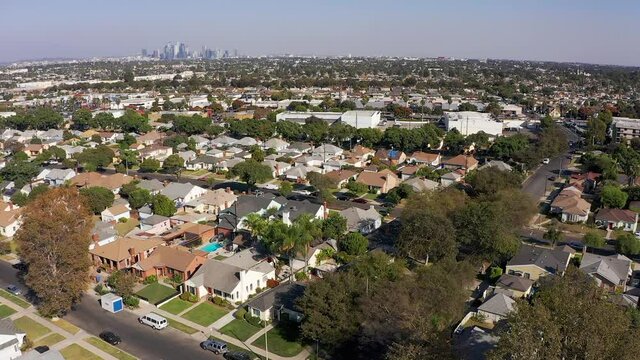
x: 237, y: 294
x: 250, y: 287
x: 258, y: 283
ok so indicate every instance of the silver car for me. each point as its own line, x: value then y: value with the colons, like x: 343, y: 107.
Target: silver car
x: 218, y: 347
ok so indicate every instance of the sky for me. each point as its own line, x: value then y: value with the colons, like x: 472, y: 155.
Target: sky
x: 589, y: 31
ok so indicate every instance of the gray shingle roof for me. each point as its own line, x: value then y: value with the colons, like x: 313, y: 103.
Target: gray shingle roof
x: 552, y: 261
x: 281, y: 296
x: 498, y: 304
x: 611, y: 268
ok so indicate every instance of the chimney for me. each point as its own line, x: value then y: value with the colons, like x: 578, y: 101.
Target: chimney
x: 95, y: 237
x: 132, y: 251
x: 371, y: 207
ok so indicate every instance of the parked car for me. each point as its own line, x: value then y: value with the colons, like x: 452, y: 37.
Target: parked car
x: 154, y: 320
x: 21, y: 267
x: 238, y: 355
x: 110, y: 337
x: 41, y: 349
x: 545, y: 160
x: 14, y: 289
x: 218, y: 347
x: 360, y: 201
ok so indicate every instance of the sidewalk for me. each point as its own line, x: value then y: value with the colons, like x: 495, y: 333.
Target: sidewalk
x: 204, y: 332
x: 70, y: 338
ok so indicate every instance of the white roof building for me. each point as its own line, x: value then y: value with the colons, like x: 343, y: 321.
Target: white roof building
x: 472, y: 122
x: 361, y: 118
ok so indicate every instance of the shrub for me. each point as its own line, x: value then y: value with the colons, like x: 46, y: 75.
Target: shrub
x: 301, y: 276
x: 253, y: 320
x: 271, y: 283
x: 131, y: 301
x: 240, y: 313
x: 5, y: 247
x: 187, y: 296
x: 151, y: 279
x: 100, y: 289
x: 258, y: 290
x: 26, y: 344
x: 217, y: 300
x: 123, y: 220
x: 494, y: 273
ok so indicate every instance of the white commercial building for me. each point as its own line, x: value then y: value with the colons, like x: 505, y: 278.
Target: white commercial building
x: 301, y: 117
x: 361, y: 118
x: 472, y: 122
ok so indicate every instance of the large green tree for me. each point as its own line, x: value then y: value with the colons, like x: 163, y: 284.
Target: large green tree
x: 98, y: 198
x: 252, y: 172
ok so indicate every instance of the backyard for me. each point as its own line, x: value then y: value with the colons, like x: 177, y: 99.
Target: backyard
x: 156, y: 293
x: 284, y: 340
x: 176, y: 306
x: 239, y: 329
x: 205, y: 314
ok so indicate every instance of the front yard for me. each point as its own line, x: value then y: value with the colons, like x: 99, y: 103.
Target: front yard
x: 77, y: 352
x: 6, y: 311
x: 18, y: 300
x: 239, y: 329
x: 284, y: 340
x: 32, y: 328
x: 176, y: 306
x: 111, y: 350
x: 156, y: 293
x: 205, y: 314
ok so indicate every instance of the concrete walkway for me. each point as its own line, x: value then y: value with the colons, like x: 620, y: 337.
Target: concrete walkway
x: 204, y: 333
x: 220, y: 323
x: 70, y: 338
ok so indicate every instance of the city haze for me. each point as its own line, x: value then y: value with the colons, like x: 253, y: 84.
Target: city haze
x: 588, y: 31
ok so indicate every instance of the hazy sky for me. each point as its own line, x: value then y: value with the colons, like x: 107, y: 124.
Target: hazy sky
x: 561, y: 30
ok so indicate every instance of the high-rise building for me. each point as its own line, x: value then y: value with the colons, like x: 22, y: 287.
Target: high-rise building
x: 235, y: 53
x: 143, y: 52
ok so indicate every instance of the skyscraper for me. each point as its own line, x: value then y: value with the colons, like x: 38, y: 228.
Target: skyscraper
x: 143, y: 52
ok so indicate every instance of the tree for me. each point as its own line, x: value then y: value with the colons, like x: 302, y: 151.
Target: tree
x: 173, y: 164
x: 628, y: 244
x: 490, y: 180
x: 257, y: 153
x: 613, y: 197
x: 316, y: 130
x: 596, y: 131
x: 98, y: 157
x: 566, y: 313
x: 163, y: 206
x: 20, y: 172
x: 493, y: 108
x: 285, y: 188
x: 289, y: 130
x: 354, y: 244
x: 554, y: 235
x: 547, y: 122
x: 593, y: 239
x: 139, y: 198
x: 467, y: 107
x: 334, y: 226
x: 369, y: 137
x: 123, y: 283
x: 251, y: 172
x: 54, y: 240
x: 454, y: 142
x: 150, y: 165
x: 83, y: 120
x: 98, y: 198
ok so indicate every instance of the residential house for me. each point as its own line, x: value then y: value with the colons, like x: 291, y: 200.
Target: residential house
x: 233, y: 279
x: 246, y: 142
x: 300, y: 147
x: 222, y: 141
x: 278, y: 303
x: 452, y: 178
x: 155, y: 224
x: 234, y: 217
x: 11, y: 340
x: 391, y: 157
x: 108, y: 137
x: 182, y: 193
x: 408, y: 171
x: 102, y: 233
x: 570, y: 205
x: 33, y: 150
x: 299, y: 173
x: 158, y: 152
x: 379, y: 182
x: 187, y: 155
x: 153, y: 186
x: 327, y: 151
x: 496, y: 308
x: 586, y: 181
x: 115, y: 213
x: 204, y: 162
x: 10, y: 222
x: 112, y: 182
x: 621, y: 219
x: 341, y: 177
x: 276, y: 144
x: 56, y: 177
x: 278, y: 168
x: 517, y: 286
x: 200, y: 141
x: 421, y: 184
x: 423, y: 158
x: 166, y: 261
x: 123, y: 253
x: 292, y: 209
x: 497, y: 165
x: 151, y: 138
x: 609, y: 272
x: 463, y: 162
x: 361, y: 153
x: 213, y: 201
x: 533, y: 262
x: 361, y: 220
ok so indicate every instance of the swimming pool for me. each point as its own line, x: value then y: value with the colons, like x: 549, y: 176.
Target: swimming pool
x: 211, y: 247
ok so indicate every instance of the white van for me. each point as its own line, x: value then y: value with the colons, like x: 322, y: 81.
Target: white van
x: 154, y: 320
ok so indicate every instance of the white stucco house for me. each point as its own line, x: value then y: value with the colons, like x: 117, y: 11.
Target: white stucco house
x: 11, y: 340
x: 115, y: 213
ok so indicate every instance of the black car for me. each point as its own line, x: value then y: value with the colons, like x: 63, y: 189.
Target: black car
x: 237, y: 355
x: 21, y: 267
x: 110, y: 337
x: 41, y: 349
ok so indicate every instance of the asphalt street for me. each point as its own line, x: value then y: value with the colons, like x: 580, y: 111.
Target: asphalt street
x: 139, y: 340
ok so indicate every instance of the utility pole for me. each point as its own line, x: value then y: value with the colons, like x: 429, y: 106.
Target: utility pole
x: 266, y: 343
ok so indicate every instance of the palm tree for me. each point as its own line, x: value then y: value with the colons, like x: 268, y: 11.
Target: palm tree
x: 257, y: 225
x: 309, y: 229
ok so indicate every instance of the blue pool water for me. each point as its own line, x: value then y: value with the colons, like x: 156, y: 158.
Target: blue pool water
x: 211, y: 247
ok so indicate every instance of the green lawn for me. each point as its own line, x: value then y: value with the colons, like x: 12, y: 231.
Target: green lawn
x: 182, y: 327
x: 156, y: 292
x: 176, y: 306
x: 205, y: 314
x: 371, y: 196
x: 33, y: 328
x: 14, y: 299
x: 6, y: 311
x: 239, y: 329
x: 125, y: 228
x: 283, y: 340
x: 49, y: 340
x: 77, y: 352
x: 64, y: 324
x: 232, y: 347
x: 111, y: 350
